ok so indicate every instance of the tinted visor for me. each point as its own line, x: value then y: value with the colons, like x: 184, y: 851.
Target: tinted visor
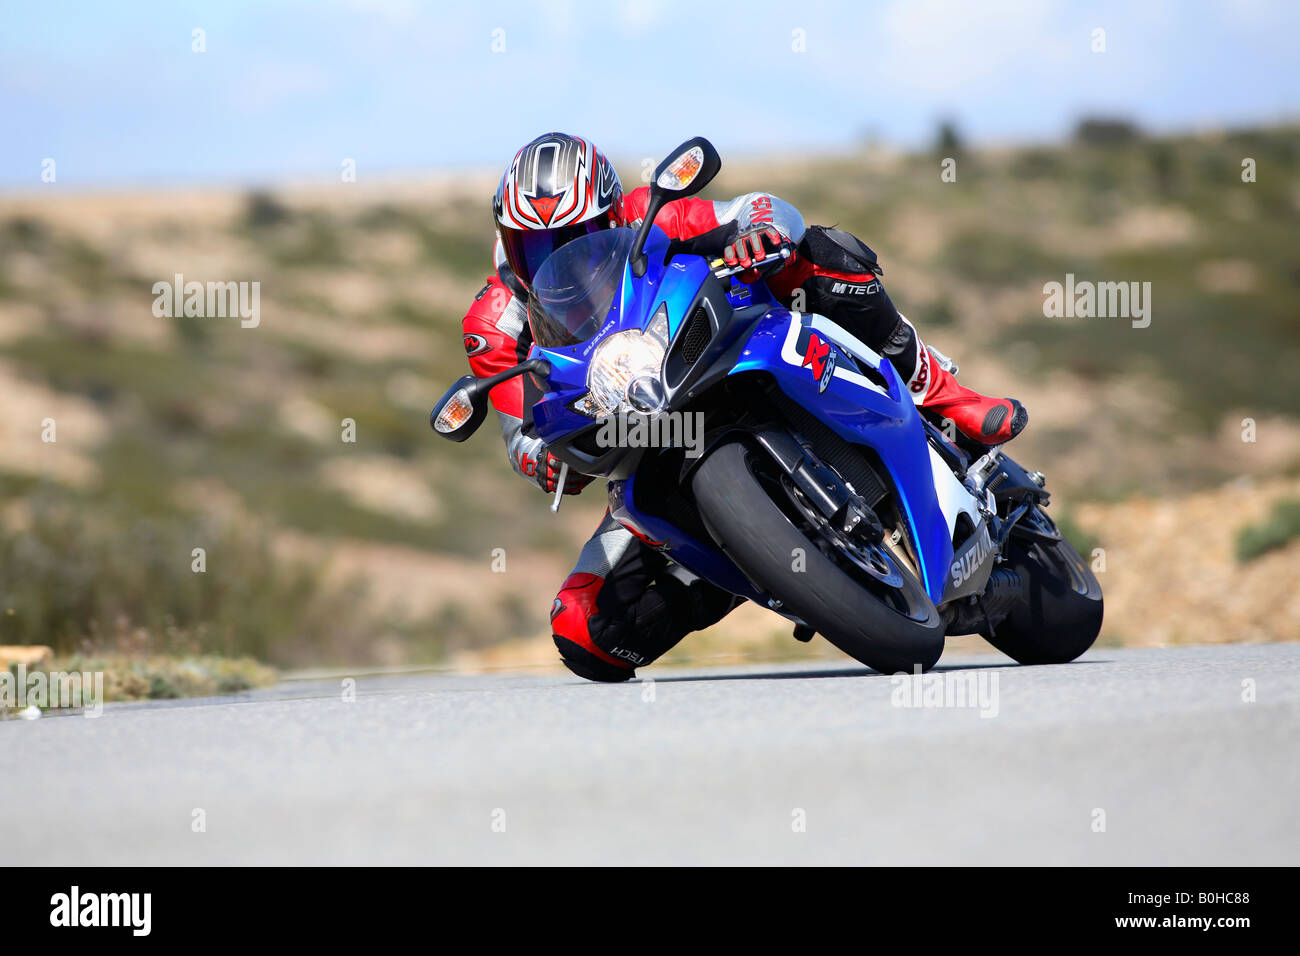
x: 527, y: 249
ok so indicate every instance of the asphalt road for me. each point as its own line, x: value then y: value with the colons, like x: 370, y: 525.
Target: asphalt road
x: 1125, y: 757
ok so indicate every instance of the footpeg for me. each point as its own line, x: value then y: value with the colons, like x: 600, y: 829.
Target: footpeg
x: 804, y: 633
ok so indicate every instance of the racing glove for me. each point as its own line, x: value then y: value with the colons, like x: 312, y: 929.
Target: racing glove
x: 544, y: 468
x: 754, y: 244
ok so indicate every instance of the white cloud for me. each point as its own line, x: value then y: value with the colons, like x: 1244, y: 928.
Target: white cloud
x: 933, y: 46
x: 635, y: 16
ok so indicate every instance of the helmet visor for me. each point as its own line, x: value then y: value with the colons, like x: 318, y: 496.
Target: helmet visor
x: 527, y: 249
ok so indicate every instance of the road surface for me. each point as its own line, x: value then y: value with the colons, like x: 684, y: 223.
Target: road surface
x: 1179, y: 756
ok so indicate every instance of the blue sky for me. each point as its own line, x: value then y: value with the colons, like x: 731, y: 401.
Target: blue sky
x: 287, y: 89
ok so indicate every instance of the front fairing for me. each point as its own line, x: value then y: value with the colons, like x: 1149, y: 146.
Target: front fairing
x: 678, y: 286
x: 857, y: 394
x: 861, y: 398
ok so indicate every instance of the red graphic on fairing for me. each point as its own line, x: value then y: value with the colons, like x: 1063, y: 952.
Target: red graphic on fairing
x: 475, y: 344
x: 815, y: 356
x: 642, y: 536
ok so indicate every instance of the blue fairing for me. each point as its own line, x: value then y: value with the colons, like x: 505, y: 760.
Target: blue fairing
x: 675, y: 284
x: 860, y: 410
x: 699, y: 557
x: 884, y: 419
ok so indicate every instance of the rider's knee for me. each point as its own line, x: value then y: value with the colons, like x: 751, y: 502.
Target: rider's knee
x: 573, y: 621
x: 582, y: 660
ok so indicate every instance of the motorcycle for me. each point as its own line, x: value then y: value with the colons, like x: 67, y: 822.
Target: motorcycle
x: 794, y: 470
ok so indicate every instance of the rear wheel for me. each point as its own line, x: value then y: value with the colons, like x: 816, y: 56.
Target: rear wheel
x: 862, y: 598
x: 1061, y: 615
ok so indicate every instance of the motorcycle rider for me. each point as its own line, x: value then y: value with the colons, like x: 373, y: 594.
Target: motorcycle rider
x: 624, y: 604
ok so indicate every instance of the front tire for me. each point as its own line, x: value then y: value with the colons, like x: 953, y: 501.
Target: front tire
x: 760, y: 537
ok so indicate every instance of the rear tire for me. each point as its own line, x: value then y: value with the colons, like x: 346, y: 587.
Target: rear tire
x: 1061, y: 616
x: 761, y: 539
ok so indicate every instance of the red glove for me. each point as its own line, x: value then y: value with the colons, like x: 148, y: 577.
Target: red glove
x: 546, y: 472
x: 753, y: 244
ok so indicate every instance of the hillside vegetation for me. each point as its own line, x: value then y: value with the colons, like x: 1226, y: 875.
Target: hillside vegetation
x: 176, y: 434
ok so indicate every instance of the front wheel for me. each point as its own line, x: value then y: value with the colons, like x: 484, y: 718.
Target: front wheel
x: 872, y: 607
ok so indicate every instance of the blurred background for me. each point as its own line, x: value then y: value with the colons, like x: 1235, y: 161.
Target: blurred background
x: 342, y: 155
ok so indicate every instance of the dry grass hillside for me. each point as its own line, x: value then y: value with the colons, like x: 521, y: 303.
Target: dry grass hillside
x: 173, y: 434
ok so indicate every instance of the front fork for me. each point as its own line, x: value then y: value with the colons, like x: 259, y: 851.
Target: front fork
x: 827, y: 492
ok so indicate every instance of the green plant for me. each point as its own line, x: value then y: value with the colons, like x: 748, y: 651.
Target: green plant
x: 1280, y: 528
x: 1084, y: 542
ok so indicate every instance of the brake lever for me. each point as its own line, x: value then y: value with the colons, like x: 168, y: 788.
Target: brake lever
x: 559, y: 486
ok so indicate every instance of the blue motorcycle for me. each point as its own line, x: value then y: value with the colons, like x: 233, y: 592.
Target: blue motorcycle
x: 778, y: 457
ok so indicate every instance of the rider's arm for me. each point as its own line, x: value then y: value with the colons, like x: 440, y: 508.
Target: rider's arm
x: 492, y: 328
x: 693, y: 218
x: 762, y: 209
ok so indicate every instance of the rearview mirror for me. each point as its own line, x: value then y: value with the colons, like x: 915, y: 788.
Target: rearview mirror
x: 686, y: 171
x: 461, y: 411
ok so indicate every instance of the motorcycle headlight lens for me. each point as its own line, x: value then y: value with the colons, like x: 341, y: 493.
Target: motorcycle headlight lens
x: 620, y: 361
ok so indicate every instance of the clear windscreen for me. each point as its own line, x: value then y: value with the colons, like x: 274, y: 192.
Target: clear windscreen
x: 575, y: 286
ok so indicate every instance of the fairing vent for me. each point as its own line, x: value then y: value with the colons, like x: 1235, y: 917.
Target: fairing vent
x: 588, y: 442
x: 695, y: 337
x: 850, y: 461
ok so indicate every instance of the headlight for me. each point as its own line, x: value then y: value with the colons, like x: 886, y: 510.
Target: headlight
x: 624, y: 373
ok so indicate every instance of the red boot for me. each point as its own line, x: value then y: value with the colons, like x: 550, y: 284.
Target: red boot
x: 988, y: 421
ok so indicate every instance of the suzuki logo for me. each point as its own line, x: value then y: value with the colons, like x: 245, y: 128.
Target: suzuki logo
x: 973, y: 559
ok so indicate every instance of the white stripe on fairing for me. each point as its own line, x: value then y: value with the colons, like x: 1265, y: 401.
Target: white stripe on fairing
x: 953, y: 497
x: 841, y: 338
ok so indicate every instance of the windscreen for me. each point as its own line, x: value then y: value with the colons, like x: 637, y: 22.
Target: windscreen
x: 575, y: 286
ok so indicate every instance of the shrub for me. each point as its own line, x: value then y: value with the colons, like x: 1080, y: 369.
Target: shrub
x: 85, y: 579
x: 1279, y: 529
x: 1106, y: 131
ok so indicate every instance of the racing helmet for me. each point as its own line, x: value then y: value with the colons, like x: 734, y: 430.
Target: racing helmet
x: 556, y: 189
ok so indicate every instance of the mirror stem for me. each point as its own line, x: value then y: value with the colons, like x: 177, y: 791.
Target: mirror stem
x: 638, y: 257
